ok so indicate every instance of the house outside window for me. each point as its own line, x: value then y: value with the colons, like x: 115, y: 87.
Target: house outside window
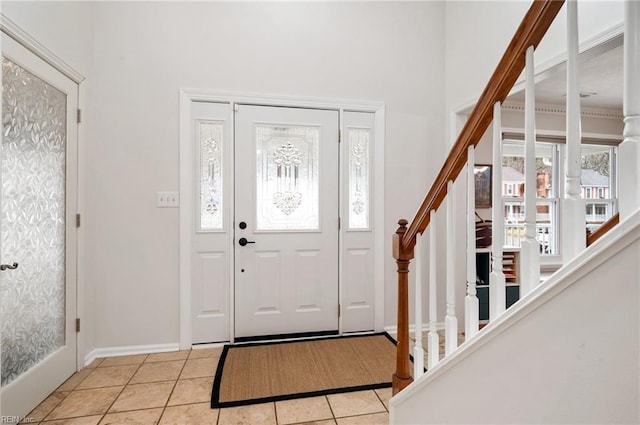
x: 597, y: 187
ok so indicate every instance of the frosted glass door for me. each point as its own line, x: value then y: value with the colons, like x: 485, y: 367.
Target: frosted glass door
x: 38, y: 351
x: 286, y: 221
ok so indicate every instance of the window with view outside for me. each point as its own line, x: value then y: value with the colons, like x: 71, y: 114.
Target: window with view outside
x: 596, y: 183
x: 597, y: 188
x: 546, y: 193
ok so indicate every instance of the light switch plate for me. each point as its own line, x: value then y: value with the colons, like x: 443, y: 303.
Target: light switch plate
x: 167, y: 199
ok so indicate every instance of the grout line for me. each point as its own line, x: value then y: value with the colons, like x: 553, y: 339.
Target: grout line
x: 123, y: 388
x: 331, y: 408
x: 381, y: 401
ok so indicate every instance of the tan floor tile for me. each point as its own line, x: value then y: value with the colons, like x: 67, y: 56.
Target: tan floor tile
x: 199, y: 353
x: 44, y: 408
x: 136, y: 417
x: 385, y: 395
x: 85, y: 403
x: 355, y: 403
x: 198, y: 368
x: 303, y: 410
x: 200, y: 413
x: 75, y: 379
x: 143, y: 396
x: 327, y: 422
x: 85, y: 420
x: 159, y: 371
x: 263, y: 414
x: 123, y: 360
x: 108, y: 376
x: 166, y: 357
x: 94, y: 363
x: 195, y: 390
x: 376, y: 419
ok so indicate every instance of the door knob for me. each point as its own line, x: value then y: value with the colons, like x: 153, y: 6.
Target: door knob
x: 8, y: 266
x: 244, y: 241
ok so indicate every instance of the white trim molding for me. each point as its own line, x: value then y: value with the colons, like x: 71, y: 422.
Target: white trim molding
x: 189, y: 95
x: 129, y: 350
x: 14, y: 31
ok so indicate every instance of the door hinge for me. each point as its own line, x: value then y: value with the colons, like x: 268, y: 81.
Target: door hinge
x: 77, y: 220
x: 339, y: 311
x: 339, y: 136
x: 79, y: 116
x: 339, y: 223
x: 78, y: 325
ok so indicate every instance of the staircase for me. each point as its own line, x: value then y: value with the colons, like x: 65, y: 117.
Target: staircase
x: 569, y: 350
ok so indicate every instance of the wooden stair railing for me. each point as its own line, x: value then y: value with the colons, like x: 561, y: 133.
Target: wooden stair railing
x: 603, y: 229
x: 530, y: 32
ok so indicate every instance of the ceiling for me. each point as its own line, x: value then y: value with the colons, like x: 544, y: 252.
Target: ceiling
x: 601, y: 79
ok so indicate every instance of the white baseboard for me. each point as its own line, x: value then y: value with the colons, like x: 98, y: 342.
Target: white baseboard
x: 393, y: 330
x: 129, y: 350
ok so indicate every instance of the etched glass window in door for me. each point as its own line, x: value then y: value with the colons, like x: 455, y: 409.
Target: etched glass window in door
x: 358, y: 177
x: 32, y: 297
x: 211, y: 145
x: 287, y: 178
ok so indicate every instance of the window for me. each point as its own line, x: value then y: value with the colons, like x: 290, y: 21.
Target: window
x: 597, y: 187
x: 598, y: 182
x: 547, y: 155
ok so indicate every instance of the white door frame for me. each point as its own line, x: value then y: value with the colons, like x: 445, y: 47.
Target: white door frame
x: 21, y: 37
x: 40, y: 50
x: 187, y: 183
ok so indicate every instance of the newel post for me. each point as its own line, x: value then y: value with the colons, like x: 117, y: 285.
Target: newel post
x: 402, y: 376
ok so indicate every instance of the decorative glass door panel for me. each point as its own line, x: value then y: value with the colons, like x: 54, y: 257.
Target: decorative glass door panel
x: 33, y: 219
x: 211, y: 172
x: 287, y: 180
x: 286, y: 221
x: 37, y: 241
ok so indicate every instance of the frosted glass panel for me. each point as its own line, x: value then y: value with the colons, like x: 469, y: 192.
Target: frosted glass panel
x: 358, y: 178
x: 32, y: 297
x: 211, y: 145
x: 287, y: 186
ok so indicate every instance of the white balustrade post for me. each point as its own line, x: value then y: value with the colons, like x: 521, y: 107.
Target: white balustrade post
x: 573, y: 233
x: 629, y: 156
x: 530, y: 246
x: 497, y: 285
x: 450, y: 320
x: 471, y: 300
x: 433, y: 342
x: 418, y: 353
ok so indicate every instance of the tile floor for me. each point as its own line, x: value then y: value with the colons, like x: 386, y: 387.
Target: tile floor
x: 175, y: 388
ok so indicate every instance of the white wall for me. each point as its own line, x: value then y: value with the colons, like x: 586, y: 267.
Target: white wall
x: 542, y: 365
x: 145, y: 52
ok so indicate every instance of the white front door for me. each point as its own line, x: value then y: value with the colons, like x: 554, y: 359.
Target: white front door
x: 38, y: 242
x: 286, y: 221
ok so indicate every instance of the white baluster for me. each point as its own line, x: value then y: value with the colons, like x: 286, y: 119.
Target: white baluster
x: 433, y: 347
x: 471, y: 300
x: 418, y: 353
x: 497, y: 286
x: 629, y: 158
x: 450, y: 320
x: 573, y: 206
x: 530, y: 245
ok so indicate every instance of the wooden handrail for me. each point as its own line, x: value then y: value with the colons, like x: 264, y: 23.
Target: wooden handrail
x: 603, y: 229
x: 530, y: 32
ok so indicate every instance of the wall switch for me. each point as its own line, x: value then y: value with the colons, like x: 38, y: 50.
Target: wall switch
x: 167, y: 199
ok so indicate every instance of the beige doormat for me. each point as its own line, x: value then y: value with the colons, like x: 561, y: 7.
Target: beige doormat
x: 273, y: 371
